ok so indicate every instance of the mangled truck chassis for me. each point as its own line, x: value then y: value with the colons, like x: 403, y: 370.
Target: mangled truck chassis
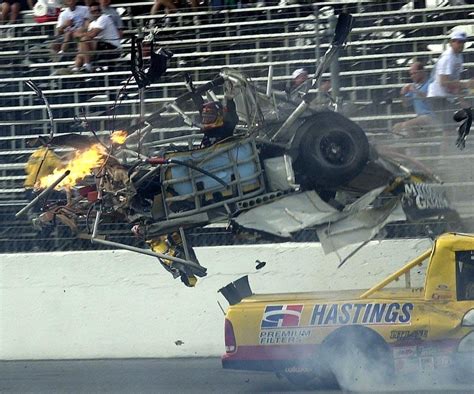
x: 282, y: 173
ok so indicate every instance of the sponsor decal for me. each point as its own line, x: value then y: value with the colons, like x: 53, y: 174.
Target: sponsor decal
x: 443, y: 361
x: 421, y: 200
x: 435, y: 349
x: 408, y: 364
x: 354, y: 313
x: 283, y: 336
x: 280, y: 325
x: 427, y: 363
x: 405, y: 335
x: 424, y: 196
x: 405, y: 351
x: 441, y: 296
x: 276, y: 316
x: 298, y: 370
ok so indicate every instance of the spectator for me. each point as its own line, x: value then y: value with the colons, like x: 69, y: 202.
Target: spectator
x: 415, y: 94
x: 299, y: 80
x: 70, y: 21
x: 46, y: 10
x: 171, y: 6
x: 217, y: 5
x: 11, y: 9
x: 112, y: 12
x: 299, y: 76
x: 101, y: 35
x: 446, y: 86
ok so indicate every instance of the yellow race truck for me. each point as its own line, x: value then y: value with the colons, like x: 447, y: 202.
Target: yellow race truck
x: 342, y: 338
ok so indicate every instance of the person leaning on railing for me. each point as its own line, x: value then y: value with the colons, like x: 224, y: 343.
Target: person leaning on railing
x: 101, y: 36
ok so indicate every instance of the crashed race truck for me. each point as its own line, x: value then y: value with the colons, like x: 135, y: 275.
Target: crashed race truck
x: 288, y: 167
x: 321, y: 173
x: 321, y: 339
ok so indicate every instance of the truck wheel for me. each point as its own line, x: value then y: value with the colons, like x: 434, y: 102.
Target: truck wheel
x: 359, y: 358
x: 310, y: 381
x: 333, y: 150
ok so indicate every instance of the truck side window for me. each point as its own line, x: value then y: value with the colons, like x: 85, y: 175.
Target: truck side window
x: 465, y: 275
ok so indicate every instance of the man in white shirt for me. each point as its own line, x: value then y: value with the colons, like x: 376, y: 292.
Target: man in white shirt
x: 71, y: 20
x: 102, y: 36
x: 446, y: 86
x: 112, y: 12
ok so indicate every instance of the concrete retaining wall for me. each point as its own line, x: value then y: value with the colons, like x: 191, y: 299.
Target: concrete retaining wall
x: 119, y: 304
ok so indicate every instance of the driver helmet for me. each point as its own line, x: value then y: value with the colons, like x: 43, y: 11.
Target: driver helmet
x: 212, y: 115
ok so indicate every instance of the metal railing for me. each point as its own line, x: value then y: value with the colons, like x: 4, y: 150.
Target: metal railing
x: 368, y: 67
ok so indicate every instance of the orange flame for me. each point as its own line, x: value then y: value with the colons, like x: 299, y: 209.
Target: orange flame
x: 119, y: 137
x: 80, y: 166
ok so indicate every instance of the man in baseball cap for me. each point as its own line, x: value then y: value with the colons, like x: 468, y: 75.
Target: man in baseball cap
x: 458, y: 35
x: 447, y: 87
x: 299, y: 76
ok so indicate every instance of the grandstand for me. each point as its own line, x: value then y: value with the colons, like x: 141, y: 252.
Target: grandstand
x: 372, y: 69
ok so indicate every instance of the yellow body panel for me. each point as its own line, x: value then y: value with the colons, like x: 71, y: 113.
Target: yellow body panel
x: 42, y: 162
x: 419, y: 320
x: 319, y: 318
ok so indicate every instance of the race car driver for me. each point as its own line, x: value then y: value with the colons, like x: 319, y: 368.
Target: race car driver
x: 218, y: 121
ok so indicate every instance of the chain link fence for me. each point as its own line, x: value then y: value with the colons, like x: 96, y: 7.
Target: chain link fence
x: 386, y: 39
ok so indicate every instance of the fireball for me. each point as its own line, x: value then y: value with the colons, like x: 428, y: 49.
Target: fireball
x: 80, y: 166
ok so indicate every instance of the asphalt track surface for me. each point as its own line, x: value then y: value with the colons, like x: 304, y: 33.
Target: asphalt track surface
x: 151, y: 376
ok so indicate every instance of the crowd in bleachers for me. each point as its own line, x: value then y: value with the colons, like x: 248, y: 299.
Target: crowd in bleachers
x: 251, y: 42
x: 204, y: 37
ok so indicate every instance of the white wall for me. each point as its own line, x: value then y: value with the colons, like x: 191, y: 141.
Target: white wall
x: 120, y: 304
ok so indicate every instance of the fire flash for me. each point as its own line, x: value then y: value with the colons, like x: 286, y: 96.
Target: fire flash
x: 119, y: 137
x: 80, y: 166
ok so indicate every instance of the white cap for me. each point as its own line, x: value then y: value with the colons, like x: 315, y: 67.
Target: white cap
x: 458, y: 35
x: 40, y: 9
x: 298, y: 72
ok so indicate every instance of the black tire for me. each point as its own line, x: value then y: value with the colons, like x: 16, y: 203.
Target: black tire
x: 333, y: 150
x: 359, y: 358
